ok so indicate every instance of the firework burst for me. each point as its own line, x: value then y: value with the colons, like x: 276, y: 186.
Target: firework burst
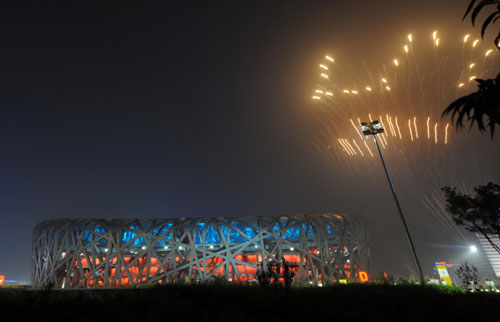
x: 407, y: 95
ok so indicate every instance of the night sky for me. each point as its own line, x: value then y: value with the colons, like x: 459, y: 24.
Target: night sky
x: 175, y: 109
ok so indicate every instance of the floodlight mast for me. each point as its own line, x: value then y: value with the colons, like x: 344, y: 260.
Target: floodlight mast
x: 375, y: 128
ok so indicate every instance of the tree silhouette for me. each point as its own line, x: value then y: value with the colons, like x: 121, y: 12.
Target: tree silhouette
x: 486, y: 101
x: 492, y: 18
x: 466, y: 273
x: 479, y: 213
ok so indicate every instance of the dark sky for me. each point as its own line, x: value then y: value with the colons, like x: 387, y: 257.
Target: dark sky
x: 173, y: 109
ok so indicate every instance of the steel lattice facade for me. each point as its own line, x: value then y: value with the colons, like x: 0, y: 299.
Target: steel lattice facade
x: 124, y: 252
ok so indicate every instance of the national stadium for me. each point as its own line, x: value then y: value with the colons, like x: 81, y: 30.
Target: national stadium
x: 321, y: 248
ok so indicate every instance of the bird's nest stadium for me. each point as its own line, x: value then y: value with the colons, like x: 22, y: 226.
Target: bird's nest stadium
x: 321, y: 248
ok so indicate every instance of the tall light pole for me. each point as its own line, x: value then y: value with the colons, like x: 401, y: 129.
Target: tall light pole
x: 375, y: 128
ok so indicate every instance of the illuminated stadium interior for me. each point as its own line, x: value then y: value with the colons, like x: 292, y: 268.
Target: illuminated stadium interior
x: 321, y: 248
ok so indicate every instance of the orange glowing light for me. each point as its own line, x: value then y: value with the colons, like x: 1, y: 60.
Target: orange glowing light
x: 2, y: 279
x: 363, y: 276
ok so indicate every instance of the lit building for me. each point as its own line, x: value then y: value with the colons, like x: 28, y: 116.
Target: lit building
x: 125, y: 252
x: 492, y: 255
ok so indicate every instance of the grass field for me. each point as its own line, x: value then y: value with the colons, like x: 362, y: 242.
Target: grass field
x: 243, y: 303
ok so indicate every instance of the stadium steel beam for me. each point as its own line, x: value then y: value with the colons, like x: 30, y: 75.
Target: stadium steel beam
x: 123, y: 252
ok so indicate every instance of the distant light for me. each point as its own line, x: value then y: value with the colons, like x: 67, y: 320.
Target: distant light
x: 180, y: 247
x: 384, y: 80
x: 475, y: 43
x: 436, y: 42
x: 291, y: 248
x: 346, y: 91
x: 410, y: 37
x: 329, y: 93
x: 434, y: 35
x: 318, y: 91
x: 143, y: 247
x: 396, y: 62
x: 320, y: 284
x: 466, y: 38
x: 406, y: 48
x: 105, y: 249
x: 388, y: 88
x: 472, y: 78
x: 211, y: 246
x: 316, y: 97
x: 323, y: 66
x: 166, y: 247
x: 473, y: 249
x: 472, y: 65
x: 368, y: 89
x: 324, y: 75
x: 461, y: 85
x: 255, y: 246
x: 354, y: 92
x: 488, y: 52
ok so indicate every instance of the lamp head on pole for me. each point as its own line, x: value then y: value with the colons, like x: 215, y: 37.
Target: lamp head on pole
x: 372, y: 129
x: 366, y: 128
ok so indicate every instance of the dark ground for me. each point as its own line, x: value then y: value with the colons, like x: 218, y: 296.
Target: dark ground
x: 236, y: 303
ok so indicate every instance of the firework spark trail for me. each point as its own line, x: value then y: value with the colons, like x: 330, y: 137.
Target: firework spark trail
x: 412, y: 131
x: 417, y: 82
x: 436, y: 207
x: 361, y: 152
x: 415, y: 124
x: 435, y: 133
x: 369, y: 150
x: 446, y: 133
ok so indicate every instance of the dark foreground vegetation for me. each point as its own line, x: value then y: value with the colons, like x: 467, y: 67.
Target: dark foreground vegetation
x: 240, y: 303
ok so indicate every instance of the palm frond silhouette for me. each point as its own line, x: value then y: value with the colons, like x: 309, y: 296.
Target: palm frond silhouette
x: 485, y: 103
